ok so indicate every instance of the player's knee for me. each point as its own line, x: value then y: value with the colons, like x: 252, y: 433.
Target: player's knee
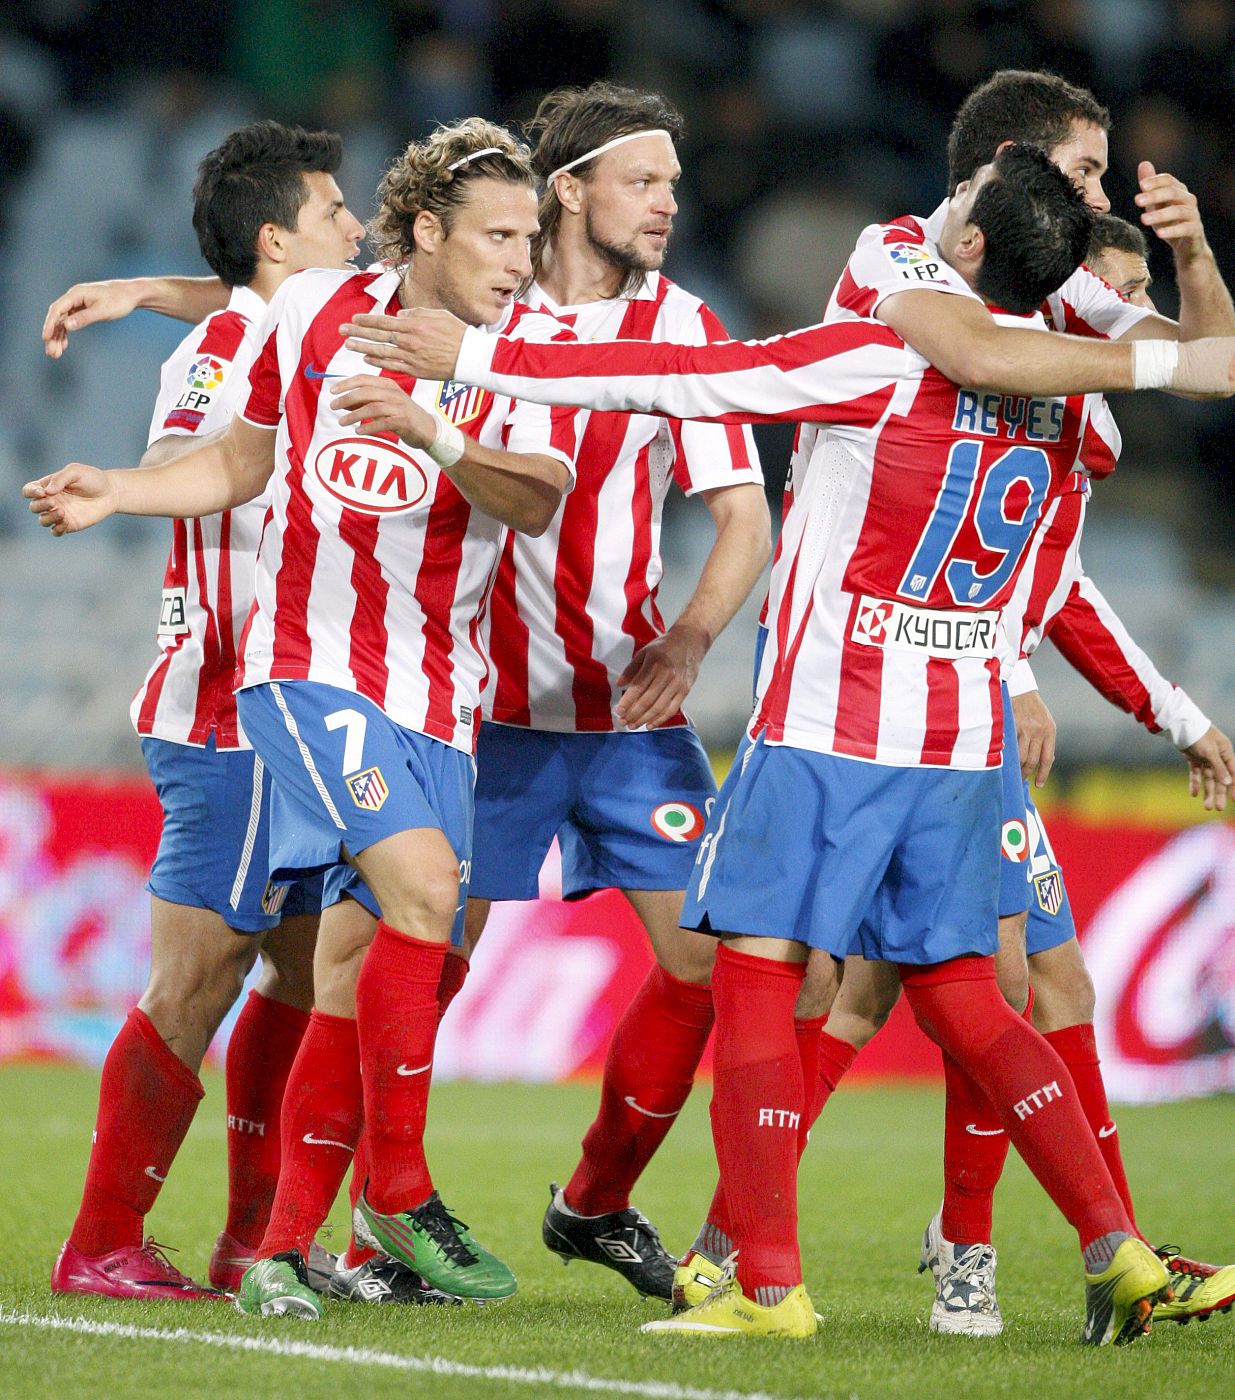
x: 689, y: 958
x: 1014, y: 984
x: 426, y: 908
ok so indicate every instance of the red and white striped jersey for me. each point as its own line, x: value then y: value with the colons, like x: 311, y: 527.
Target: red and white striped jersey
x: 208, y: 586
x: 572, y: 606
x: 375, y: 571
x: 908, y: 529
x: 903, y: 256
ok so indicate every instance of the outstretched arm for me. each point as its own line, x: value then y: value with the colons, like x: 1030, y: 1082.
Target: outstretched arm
x: 189, y: 299
x: 214, y: 476
x: 826, y: 373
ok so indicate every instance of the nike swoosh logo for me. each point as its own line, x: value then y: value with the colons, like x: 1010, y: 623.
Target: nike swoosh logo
x: 326, y: 1142
x: 639, y: 1108
x: 311, y: 373
x: 153, y: 1175
x: 1109, y: 1131
x: 403, y: 1069
x: 982, y: 1132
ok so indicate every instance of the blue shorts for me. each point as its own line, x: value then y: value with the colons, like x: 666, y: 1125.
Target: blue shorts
x: 628, y: 809
x: 346, y: 776
x: 851, y: 857
x: 214, y: 852
x: 1030, y: 878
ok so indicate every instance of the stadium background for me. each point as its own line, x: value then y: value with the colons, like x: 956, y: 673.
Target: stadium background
x: 805, y: 121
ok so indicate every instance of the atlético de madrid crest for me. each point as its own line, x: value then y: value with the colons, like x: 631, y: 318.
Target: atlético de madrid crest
x: 462, y: 402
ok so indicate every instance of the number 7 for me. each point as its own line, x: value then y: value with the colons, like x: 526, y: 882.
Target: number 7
x: 353, y: 746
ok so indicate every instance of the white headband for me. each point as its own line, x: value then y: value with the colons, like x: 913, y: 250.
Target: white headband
x: 476, y: 155
x: 608, y: 146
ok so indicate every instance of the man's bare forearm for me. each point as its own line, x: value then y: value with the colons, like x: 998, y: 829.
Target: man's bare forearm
x: 189, y: 299
x: 1205, y: 306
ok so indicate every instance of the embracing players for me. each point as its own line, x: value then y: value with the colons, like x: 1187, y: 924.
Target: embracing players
x: 265, y: 206
x: 879, y: 724
x: 360, y: 668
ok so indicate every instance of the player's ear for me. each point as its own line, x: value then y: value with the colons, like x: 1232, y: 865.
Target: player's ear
x: 971, y: 245
x: 569, y: 189
x: 427, y: 231
x: 272, y: 243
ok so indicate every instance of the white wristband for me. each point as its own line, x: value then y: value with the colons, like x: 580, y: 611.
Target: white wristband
x: 1153, y: 363
x: 447, y: 445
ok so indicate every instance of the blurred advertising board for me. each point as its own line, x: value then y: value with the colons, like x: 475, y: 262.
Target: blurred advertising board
x: 1154, y: 899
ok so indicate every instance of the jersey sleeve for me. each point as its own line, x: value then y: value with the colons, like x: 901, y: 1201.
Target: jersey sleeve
x: 711, y: 455
x: 1091, y: 637
x: 828, y: 373
x: 263, y: 406
x: 548, y: 431
x: 891, y: 258
x: 1086, y: 305
x: 200, y: 384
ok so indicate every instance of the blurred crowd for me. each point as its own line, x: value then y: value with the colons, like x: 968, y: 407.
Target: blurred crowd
x: 806, y: 119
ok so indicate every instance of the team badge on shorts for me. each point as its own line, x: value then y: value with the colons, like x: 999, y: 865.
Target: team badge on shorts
x: 677, y: 821
x: 1015, y: 841
x: 462, y: 402
x: 1049, y: 889
x: 273, y: 896
x: 368, y: 789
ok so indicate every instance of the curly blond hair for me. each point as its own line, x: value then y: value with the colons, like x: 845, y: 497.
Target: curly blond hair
x: 422, y: 179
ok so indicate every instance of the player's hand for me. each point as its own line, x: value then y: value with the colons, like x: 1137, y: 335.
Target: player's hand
x: 417, y: 342
x: 381, y: 406
x: 659, y: 678
x: 71, y: 499
x: 1211, y: 769
x: 1035, y: 736
x: 84, y: 304
x: 1169, y: 208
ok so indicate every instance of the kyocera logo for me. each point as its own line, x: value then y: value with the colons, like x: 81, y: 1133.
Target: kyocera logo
x: 371, y: 476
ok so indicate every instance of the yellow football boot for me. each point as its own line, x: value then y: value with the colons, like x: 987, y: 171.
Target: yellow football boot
x: 1119, y: 1302
x: 1200, y: 1289
x: 693, y: 1279
x: 728, y: 1312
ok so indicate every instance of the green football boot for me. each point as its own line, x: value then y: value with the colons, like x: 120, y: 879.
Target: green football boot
x: 441, y: 1250
x: 278, y: 1286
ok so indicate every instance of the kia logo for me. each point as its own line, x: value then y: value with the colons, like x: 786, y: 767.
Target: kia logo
x: 371, y: 476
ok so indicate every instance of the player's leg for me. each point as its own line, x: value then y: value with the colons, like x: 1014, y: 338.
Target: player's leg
x: 201, y: 949
x: 638, y: 811
x: 260, y: 1052
x: 349, y: 780
x: 824, y: 1061
x: 789, y: 889
x: 957, y: 1243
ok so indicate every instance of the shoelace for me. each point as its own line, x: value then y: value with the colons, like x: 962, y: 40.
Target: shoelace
x: 446, y: 1230
x: 157, y: 1254
x: 973, y: 1268
x: 728, y: 1279
x: 1177, y: 1264
x: 635, y: 1220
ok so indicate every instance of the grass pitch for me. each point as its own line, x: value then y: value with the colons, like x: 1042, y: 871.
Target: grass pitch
x: 870, y: 1180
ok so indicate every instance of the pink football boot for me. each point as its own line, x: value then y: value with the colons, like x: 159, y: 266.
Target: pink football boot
x: 135, y: 1271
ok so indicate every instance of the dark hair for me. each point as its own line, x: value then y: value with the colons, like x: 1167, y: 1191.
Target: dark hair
x: 1036, y: 225
x: 1111, y: 232
x: 422, y: 178
x: 1037, y: 108
x: 255, y: 177
x: 572, y: 121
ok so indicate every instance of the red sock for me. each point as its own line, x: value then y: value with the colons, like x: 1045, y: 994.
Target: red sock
x: 959, y: 1005
x: 823, y: 1065
x: 450, y: 984
x: 649, y: 1071
x: 358, y: 1253
x: 397, y: 1013
x: 260, y: 1053
x: 147, y: 1099
x: 1077, y: 1048
x: 975, y: 1148
x: 757, y: 1105
x: 319, y: 1127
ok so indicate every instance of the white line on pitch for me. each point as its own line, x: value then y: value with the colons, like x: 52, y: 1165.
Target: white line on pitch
x: 393, y: 1361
